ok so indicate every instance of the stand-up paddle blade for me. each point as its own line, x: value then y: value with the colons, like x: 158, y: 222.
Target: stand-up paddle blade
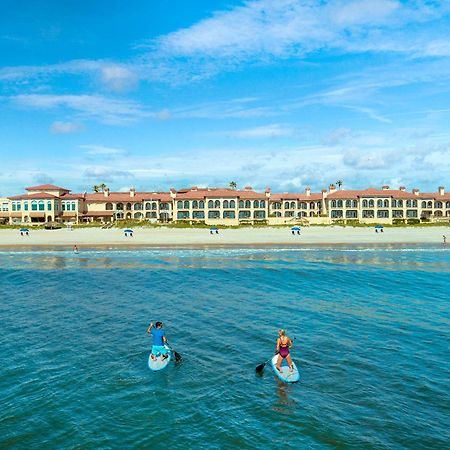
x: 260, y: 368
x: 177, y: 356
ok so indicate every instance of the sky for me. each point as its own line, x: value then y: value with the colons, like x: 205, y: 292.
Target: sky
x: 157, y: 94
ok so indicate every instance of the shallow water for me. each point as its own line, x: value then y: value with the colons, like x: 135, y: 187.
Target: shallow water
x: 372, y: 345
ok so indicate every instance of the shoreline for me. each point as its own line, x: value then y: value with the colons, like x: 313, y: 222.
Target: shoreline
x: 227, y: 238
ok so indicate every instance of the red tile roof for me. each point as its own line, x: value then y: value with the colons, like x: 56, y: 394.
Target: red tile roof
x: 294, y: 196
x: 36, y: 196
x: 370, y: 192
x: 46, y: 187
x: 125, y: 197
x: 200, y: 194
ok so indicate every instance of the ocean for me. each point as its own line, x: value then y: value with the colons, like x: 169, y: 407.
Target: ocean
x: 372, y: 346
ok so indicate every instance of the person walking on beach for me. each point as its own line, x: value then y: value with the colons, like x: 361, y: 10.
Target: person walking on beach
x: 159, y: 339
x: 284, y: 343
x: 444, y: 238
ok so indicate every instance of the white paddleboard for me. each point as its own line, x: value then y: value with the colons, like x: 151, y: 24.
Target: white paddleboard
x: 285, y: 375
x: 159, y: 363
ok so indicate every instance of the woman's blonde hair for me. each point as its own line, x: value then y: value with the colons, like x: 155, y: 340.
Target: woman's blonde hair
x: 282, y: 332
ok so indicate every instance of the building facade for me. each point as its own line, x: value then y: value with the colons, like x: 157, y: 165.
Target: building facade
x: 225, y: 206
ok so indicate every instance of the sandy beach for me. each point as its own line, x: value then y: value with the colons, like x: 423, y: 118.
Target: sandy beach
x: 228, y: 237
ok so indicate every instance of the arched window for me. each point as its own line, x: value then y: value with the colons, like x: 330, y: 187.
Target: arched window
x: 339, y: 203
x: 154, y: 206
x: 186, y: 204
x: 226, y: 204
x: 371, y: 203
x: 41, y: 205
x: 138, y: 206
x: 148, y: 205
x: 248, y: 204
x: 348, y: 203
x: 447, y: 204
x: 292, y: 205
x: 438, y: 205
x: 138, y: 215
x: 49, y: 205
x: 304, y: 205
x: 380, y: 203
x: 179, y: 204
x: 311, y: 205
x: 424, y: 204
x: 195, y: 204
x: 232, y: 204
x: 201, y: 204
x: 408, y: 203
x: 128, y: 206
x: 256, y: 204
x: 386, y: 203
x: 400, y: 203
x: 354, y: 204
x: 333, y: 203
x: 109, y: 207
x: 394, y: 203
x: 119, y: 206
x: 286, y: 205
x: 210, y: 204
x: 365, y: 204
x: 414, y: 203
x: 430, y: 204
x: 241, y: 203
x: 217, y: 204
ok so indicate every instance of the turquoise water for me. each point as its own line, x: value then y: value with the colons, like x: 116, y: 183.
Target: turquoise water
x: 372, y: 329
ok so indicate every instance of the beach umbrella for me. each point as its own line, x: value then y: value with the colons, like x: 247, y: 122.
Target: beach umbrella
x: 295, y: 228
x: 24, y: 230
x: 213, y: 228
x: 379, y: 226
x: 128, y: 231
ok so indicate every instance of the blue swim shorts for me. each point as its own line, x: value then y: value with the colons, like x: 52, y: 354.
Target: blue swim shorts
x: 158, y: 350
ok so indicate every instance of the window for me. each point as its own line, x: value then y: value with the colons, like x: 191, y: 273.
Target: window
x: 128, y: 206
x: 41, y: 205
x: 229, y: 215
x: 400, y: 203
x: 138, y: 215
x: 262, y: 204
x: 119, y: 206
x: 165, y: 206
x: 34, y: 205
x: 198, y: 215
x: 256, y: 204
x: 430, y: 204
x: 186, y: 204
x: 244, y: 214
x: 397, y: 213
x: 386, y: 204
x: 248, y: 204
x: 337, y: 214
x: 109, y: 207
x: 382, y: 213
x: 259, y: 214
x: 289, y: 214
x: 226, y: 204
x: 411, y: 213
x: 210, y: 204
x: 195, y: 204
x: 25, y: 206
x: 232, y: 204
x: 424, y: 204
x: 138, y: 206
x: 351, y: 214
x: 365, y: 203
x: 286, y: 205
x: 241, y: 203
x: 340, y: 204
x: 414, y: 203
x: 201, y: 204
x: 348, y: 203
x: 368, y: 214
x: 394, y: 203
x: 217, y: 204
x: 379, y: 203
x: 438, y: 205
x: 154, y: 206
x: 182, y: 215
x: 49, y: 206
x: 213, y: 214
x: 333, y: 203
x: 179, y: 204
x: 371, y: 203
x: 292, y: 205
x: 303, y: 205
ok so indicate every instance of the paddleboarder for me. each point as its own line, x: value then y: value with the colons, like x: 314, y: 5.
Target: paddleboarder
x: 284, y: 343
x: 159, y: 339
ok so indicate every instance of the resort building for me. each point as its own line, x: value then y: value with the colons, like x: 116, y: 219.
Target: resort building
x: 226, y: 206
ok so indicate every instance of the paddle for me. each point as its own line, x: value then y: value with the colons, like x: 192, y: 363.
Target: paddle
x: 176, y: 355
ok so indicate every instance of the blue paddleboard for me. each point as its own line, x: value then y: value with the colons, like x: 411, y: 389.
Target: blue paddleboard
x: 285, y: 375
x: 159, y: 363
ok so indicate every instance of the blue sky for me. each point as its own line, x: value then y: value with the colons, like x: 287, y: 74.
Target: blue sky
x: 287, y: 93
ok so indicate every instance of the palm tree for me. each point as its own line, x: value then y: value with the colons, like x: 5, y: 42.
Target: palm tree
x: 102, y: 186
x: 232, y: 184
x: 339, y: 183
x: 96, y: 188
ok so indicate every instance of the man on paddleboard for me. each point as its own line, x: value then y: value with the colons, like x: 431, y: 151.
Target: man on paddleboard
x: 159, y: 339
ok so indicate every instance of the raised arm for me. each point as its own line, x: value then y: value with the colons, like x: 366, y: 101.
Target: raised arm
x: 150, y: 327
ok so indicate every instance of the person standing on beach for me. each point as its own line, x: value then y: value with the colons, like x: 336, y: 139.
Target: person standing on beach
x: 159, y: 339
x: 75, y: 248
x: 284, y: 344
x: 445, y: 239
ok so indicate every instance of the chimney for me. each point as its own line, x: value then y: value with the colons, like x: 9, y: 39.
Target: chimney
x: 173, y: 193
x: 106, y: 192
x: 402, y: 188
x: 441, y: 190
x: 248, y: 188
x: 308, y: 191
x: 332, y: 188
x: 194, y: 188
x: 268, y: 189
x: 415, y: 191
x: 385, y: 187
x: 132, y: 192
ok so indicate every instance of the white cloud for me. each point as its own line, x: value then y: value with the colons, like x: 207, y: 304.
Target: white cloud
x: 264, y: 131
x: 100, y: 150
x: 104, y: 109
x: 59, y: 127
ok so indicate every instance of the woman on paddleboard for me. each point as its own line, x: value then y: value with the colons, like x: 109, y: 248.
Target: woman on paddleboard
x: 284, y: 343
